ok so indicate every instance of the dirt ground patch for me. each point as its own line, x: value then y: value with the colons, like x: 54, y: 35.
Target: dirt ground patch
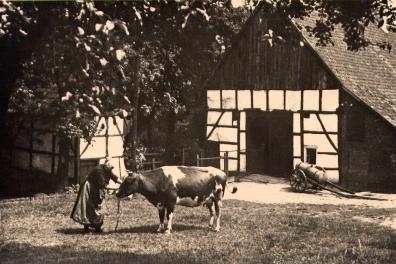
x: 269, y: 190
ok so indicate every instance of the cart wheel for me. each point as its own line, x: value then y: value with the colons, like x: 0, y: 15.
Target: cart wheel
x: 298, y: 180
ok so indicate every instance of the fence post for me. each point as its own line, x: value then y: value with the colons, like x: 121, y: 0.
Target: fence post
x: 153, y: 162
x: 197, y: 160
x: 226, y: 162
x: 202, y: 155
x: 183, y: 157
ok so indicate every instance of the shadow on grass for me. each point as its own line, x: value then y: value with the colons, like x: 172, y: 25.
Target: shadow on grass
x: 26, y: 253
x: 133, y: 230
x: 153, y: 229
x: 71, y: 231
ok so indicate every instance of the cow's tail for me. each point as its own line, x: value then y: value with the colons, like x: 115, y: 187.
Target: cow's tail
x: 234, y: 189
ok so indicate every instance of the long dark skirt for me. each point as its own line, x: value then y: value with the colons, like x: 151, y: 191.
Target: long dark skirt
x: 86, y: 207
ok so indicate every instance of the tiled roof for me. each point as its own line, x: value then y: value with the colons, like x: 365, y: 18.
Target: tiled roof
x: 368, y: 74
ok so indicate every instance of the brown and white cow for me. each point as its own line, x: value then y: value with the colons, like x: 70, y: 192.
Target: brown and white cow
x: 170, y: 185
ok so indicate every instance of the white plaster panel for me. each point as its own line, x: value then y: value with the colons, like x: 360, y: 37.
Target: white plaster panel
x: 212, y: 117
x: 330, y: 161
x: 222, y: 134
x: 242, y: 162
x: 259, y: 99
x: 242, y: 138
x: 232, y: 165
x: 213, y: 97
x: 330, y: 123
x: 226, y: 119
x: 312, y: 123
x: 244, y: 99
x: 296, y: 145
x: 232, y: 150
x: 116, y: 146
x: 227, y: 134
x: 242, y: 117
x: 333, y: 176
x: 228, y: 97
x: 311, y: 100
x: 293, y: 100
x: 296, y: 161
x: 296, y: 123
x: 330, y: 100
x: 113, y: 128
x: 320, y: 141
x: 96, y: 149
x: 275, y: 100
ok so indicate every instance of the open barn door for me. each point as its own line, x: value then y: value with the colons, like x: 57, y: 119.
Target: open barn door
x: 269, y: 142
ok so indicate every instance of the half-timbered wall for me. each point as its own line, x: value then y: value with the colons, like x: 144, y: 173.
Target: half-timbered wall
x: 37, y: 147
x: 108, y: 142
x: 311, y: 126
x: 255, y: 74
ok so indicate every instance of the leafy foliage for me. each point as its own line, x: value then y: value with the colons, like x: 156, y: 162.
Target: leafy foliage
x: 91, y: 53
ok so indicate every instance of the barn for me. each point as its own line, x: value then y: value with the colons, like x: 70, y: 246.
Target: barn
x: 272, y: 105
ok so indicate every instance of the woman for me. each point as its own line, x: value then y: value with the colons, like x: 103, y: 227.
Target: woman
x: 90, y: 197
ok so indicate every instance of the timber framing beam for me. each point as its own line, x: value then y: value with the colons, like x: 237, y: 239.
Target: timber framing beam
x: 326, y: 133
x: 319, y: 132
x: 226, y: 126
x: 215, y: 126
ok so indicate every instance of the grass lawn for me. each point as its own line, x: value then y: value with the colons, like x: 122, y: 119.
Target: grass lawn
x: 40, y: 231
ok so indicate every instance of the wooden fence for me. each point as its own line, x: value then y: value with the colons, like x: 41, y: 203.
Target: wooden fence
x: 201, y: 160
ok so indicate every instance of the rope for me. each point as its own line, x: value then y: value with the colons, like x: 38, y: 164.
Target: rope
x: 118, y: 214
x: 119, y: 166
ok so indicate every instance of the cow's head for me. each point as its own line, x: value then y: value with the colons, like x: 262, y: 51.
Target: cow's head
x: 129, y: 186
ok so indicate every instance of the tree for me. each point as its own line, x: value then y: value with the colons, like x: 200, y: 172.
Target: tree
x: 74, y: 75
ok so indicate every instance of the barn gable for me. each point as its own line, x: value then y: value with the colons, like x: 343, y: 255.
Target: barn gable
x: 254, y: 63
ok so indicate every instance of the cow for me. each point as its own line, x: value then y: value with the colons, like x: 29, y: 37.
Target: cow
x: 168, y: 186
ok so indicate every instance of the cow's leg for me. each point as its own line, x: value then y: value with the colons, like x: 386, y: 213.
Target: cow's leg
x: 169, y: 216
x: 210, y: 205
x: 218, y: 205
x: 211, y: 211
x: 161, y: 212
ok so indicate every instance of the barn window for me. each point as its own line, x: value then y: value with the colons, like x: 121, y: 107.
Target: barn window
x: 311, y: 154
x: 355, y: 126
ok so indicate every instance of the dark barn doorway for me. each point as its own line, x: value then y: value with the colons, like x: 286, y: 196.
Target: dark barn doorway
x: 269, y: 142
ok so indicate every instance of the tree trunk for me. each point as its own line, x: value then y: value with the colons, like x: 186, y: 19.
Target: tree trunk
x: 133, y: 135
x: 63, y: 163
x: 170, y: 147
x: 150, y: 132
